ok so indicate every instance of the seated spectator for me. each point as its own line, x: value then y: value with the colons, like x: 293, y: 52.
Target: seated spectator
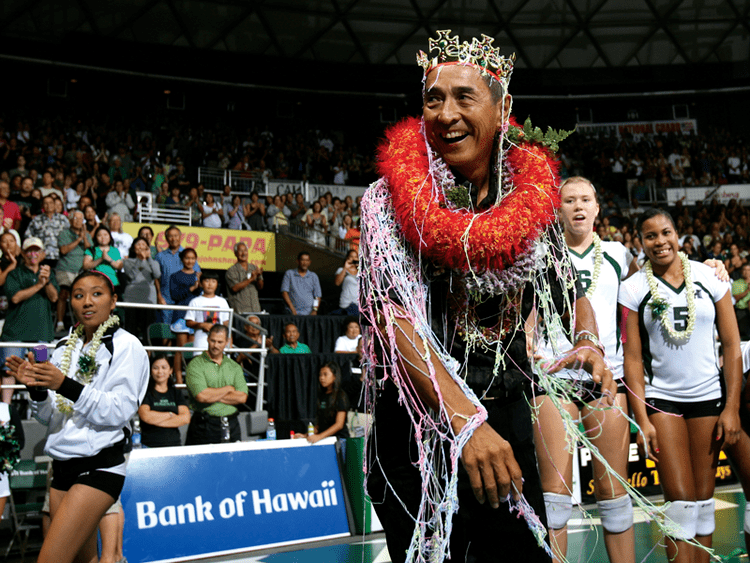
x: 349, y: 342
x: 717, y: 252
x: 164, y: 409
x: 293, y: 346
x: 333, y: 404
x: 217, y: 386
x: 212, y: 213
x: 346, y: 278
x: 202, y: 321
x: 254, y: 338
x: 104, y: 257
x: 140, y: 272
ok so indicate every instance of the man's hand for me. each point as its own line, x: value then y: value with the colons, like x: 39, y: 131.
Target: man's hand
x: 492, y: 467
x: 587, y: 356
x: 44, y: 274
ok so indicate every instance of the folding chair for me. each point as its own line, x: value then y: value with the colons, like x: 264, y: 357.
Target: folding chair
x: 29, y: 479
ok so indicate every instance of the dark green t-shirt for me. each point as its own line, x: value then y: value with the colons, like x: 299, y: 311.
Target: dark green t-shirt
x: 31, y: 319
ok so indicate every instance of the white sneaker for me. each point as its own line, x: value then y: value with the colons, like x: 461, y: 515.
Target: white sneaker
x: 60, y: 327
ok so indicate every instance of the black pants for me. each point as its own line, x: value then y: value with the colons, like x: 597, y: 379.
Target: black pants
x: 205, y: 429
x: 480, y: 533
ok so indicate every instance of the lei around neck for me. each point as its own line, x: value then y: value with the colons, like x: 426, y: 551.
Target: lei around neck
x: 459, y: 238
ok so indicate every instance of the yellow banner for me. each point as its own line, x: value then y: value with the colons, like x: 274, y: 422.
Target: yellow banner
x: 215, y: 247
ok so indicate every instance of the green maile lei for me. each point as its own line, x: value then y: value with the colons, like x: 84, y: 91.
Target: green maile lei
x: 597, y: 266
x: 87, y: 366
x: 459, y: 195
x: 660, y: 306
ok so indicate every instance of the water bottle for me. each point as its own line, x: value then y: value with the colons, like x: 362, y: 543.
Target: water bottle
x: 271, y: 430
x: 224, y: 429
x: 310, y: 429
x: 137, y: 434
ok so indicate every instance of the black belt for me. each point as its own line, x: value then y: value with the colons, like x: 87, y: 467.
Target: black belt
x: 204, y: 416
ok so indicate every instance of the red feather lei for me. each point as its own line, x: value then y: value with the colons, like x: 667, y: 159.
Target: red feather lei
x: 460, y: 239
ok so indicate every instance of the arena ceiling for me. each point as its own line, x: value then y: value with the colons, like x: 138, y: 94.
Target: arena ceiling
x: 546, y: 35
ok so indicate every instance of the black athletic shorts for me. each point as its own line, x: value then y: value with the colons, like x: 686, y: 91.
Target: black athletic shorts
x: 91, y: 471
x: 686, y: 410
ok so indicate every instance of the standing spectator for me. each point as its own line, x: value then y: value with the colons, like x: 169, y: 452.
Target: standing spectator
x: 202, y: 321
x: 300, y: 288
x: 195, y: 206
x: 104, y: 257
x: 119, y: 201
x: 255, y: 213
x: 212, y: 212
x: 8, y: 262
x: 184, y: 284
x: 27, y: 203
x: 47, y: 226
x: 277, y: 214
x: 164, y: 408
x: 147, y: 233
x: 73, y: 243
x: 216, y: 385
x: 31, y: 290
x: 741, y: 294
x: 317, y: 224
x: 346, y: 278
x: 292, y: 344
x: 298, y: 209
x: 92, y: 221
x: 169, y: 262
x: 243, y: 282
x: 235, y: 214
x: 141, y: 271
x: 11, y: 211
x: 121, y: 240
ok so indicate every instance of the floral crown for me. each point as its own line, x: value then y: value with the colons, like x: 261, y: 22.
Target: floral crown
x: 478, y: 53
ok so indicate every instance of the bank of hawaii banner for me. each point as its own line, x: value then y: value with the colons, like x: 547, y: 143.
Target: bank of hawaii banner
x: 215, y: 247
x: 181, y: 503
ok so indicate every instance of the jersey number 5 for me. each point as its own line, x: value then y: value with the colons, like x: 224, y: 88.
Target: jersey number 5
x: 680, y: 318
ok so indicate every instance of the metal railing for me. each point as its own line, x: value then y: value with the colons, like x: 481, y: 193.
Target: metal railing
x: 214, y: 179
x: 262, y: 350
x: 150, y: 212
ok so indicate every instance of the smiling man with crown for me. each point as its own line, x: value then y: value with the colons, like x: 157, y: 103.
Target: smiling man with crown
x: 460, y: 254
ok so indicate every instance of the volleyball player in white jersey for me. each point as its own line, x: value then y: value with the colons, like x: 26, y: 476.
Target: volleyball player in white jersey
x: 684, y: 409
x: 86, y: 395
x: 601, y: 266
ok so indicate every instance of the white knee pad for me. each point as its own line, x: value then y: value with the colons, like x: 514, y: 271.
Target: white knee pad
x: 558, y: 508
x: 684, y: 514
x: 616, y: 514
x: 705, y: 523
x: 747, y: 517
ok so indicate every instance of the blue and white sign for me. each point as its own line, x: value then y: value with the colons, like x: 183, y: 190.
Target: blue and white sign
x: 227, y: 498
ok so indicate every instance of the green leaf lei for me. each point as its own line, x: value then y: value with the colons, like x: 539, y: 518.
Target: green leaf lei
x: 531, y: 134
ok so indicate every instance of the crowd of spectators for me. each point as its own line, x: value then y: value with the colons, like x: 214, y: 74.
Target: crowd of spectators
x: 631, y: 165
